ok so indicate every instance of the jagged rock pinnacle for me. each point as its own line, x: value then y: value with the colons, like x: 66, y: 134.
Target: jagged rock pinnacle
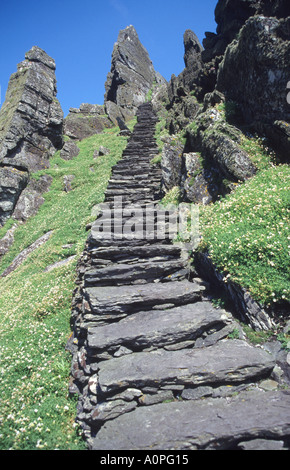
x: 131, y: 77
x: 31, y: 121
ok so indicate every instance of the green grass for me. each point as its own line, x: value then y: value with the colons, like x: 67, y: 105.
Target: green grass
x: 261, y: 155
x: 36, y: 411
x: 172, y: 197
x: 160, y: 132
x: 247, y: 235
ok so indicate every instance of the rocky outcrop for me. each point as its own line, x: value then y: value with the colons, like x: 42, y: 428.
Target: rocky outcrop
x: 131, y: 77
x: 12, y: 183
x: 212, y: 160
x: 182, y: 104
x: 247, y: 60
x: 85, y: 121
x: 231, y: 15
x: 219, y: 142
x: 171, y: 163
x: 31, y: 198
x: 69, y: 150
x: 31, y: 123
x: 192, y: 59
x: 254, y: 73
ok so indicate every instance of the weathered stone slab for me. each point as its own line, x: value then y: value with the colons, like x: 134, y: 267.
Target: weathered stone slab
x: 207, y: 424
x: 69, y: 150
x: 12, y: 182
x: 128, y: 299
x: 147, y: 251
x: 126, y: 274
x: 261, y: 444
x: 229, y: 361
x: 31, y: 198
x: 158, y: 328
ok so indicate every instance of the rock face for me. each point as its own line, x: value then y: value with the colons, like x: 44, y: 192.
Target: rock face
x: 31, y: 122
x: 218, y: 142
x: 131, y: 77
x: 254, y: 73
x: 231, y: 15
x: 31, y: 198
x: 85, y: 121
x: 183, y: 105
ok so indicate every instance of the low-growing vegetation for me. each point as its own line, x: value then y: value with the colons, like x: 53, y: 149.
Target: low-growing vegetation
x: 35, y: 305
x: 247, y: 235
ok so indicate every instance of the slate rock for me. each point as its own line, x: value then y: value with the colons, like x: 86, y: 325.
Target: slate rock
x: 258, y: 62
x: 69, y: 151
x: 25, y: 253
x: 247, y: 308
x: 207, y: 424
x: 104, y: 151
x: 113, y: 300
x: 194, y: 183
x: 171, y: 164
x: 67, y: 182
x: 158, y: 328
x: 31, y: 121
x: 31, y: 118
x: 261, y: 444
x: 7, y: 241
x: 131, y: 76
x: 231, y: 15
x: 110, y: 410
x: 230, y: 361
x: 79, y: 126
x: 12, y: 183
x: 31, y: 198
x: 126, y: 274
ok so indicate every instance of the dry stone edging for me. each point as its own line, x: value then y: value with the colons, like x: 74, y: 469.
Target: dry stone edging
x: 153, y: 363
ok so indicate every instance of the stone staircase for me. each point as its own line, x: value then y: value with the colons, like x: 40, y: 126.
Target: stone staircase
x: 153, y: 360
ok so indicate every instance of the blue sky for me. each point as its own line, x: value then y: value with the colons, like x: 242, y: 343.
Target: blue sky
x: 80, y: 35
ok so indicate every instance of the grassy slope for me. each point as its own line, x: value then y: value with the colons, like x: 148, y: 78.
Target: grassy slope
x: 247, y: 235
x: 247, y: 232
x: 36, y: 411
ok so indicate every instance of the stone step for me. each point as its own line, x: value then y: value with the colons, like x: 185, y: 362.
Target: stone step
x: 134, y: 181
x: 133, y: 185
x: 130, y: 168
x: 142, y: 179
x: 210, y: 424
x: 178, y: 327
x: 140, y: 239
x: 134, y: 172
x: 113, y: 302
x: 121, y: 274
x: 226, y: 362
x: 143, y: 252
x: 135, y: 214
x: 137, y: 198
x: 124, y: 191
x: 98, y: 263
